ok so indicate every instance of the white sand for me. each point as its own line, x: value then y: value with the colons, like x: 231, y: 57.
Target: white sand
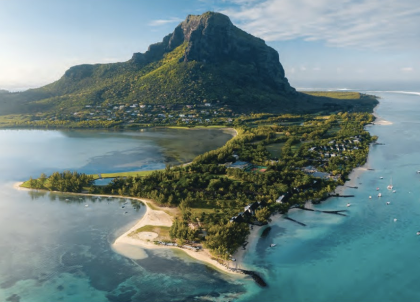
x: 134, y: 246
x: 381, y: 121
x: 144, y: 240
x: 354, y: 179
x: 253, y: 236
x: 17, y: 186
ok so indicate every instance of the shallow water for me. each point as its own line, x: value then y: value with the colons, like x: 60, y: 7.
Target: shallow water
x: 365, y: 256
x: 55, y: 248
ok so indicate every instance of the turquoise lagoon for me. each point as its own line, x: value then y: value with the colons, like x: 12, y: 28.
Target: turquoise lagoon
x: 58, y: 250
x: 55, y: 248
x: 365, y: 256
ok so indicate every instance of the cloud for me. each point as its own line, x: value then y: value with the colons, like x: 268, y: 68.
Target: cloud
x: 371, y: 24
x: 165, y: 21
x: 407, y: 69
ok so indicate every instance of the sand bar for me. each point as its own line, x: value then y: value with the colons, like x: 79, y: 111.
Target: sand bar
x: 133, y: 246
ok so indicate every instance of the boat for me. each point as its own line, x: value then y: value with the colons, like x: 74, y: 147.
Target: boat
x: 380, y: 195
x: 418, y: 233
x: 349, y: 204
x: 377, y: 189
x: 86, y: 205
x: 273, y: 245
x: 388, y: 203
x: 381, y: 177
x: 394, y: 191
x: 395, y: 219
x: 370, y: 197
x: 390, y: 186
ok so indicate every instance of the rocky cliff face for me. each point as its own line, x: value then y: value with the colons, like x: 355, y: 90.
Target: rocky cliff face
x: 212, y: 39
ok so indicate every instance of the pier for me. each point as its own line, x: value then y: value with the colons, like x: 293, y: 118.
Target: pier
x: 257, y: 278
x: 336, y: 212
x: 291, y: 219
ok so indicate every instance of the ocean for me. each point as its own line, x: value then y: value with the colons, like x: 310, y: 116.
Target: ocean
x: 372, y: 254
x: 55, y: 249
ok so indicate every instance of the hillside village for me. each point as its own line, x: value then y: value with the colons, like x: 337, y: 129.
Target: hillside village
x: 147, y: 114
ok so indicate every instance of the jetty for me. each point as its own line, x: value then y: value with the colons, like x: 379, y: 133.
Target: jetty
x: 338, y: 195
x: 291, y: 219
x: 336, y: 212
x: 257, y: 278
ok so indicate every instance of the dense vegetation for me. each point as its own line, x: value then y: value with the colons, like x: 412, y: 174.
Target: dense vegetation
x: 65, y: 182
x: 213, y: 62
x: 209, y: 191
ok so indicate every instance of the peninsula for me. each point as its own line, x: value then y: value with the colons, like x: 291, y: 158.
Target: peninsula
x: 290, y: 148
x: 211, y: 203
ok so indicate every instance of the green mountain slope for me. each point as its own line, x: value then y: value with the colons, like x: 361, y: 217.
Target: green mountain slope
x: 205, y: 60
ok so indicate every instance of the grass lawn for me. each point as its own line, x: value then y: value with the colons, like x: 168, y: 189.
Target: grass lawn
x: 124, y: 174
x: 162, y: 231
x: 196, y: 127
x: 342, y: 95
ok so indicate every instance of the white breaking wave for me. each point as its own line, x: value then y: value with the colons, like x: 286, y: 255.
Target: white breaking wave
x: 405, y: 92
x: 396, y: 91
x: 324, y: 89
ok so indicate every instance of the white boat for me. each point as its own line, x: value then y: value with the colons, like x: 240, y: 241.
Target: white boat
x: 390, y: 186
x: 380, y: 195
x: 273, y: 245
x: 381, y: 177
x: 86, y: 205
x: 370, y: 197
x: 394, y: 191
x: 418, y: 233
x: 388, y: 203
x: 395, y: 219
x: 349, y: 204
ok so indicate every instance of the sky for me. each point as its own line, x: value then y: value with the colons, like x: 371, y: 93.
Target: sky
x: 321, y: 43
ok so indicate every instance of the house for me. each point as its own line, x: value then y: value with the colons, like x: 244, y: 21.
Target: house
x: 280, y: 199
x: 237, y: 218
x: 250, y: 209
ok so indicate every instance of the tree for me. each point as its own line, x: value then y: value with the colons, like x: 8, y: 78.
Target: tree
x: 263, y: 215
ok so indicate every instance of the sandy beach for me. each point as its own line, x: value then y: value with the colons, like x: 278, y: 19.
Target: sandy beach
x: 380, y: 121
x: 134, y: 246
x: 353, y: 179
x: 144, y: 240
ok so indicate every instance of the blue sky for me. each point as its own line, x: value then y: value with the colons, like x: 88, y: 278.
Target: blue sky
x: 322, y: 43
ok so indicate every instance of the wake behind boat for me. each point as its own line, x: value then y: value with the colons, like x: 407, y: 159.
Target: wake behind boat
x: 390, y: 186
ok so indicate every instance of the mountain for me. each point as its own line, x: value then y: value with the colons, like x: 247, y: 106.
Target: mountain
x: 205, y: 60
